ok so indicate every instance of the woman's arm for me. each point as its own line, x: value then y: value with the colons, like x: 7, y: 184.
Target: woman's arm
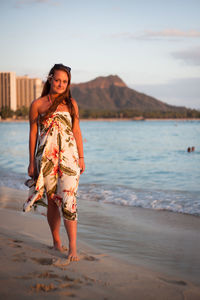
x: 33, y: 118
x: 78, y: 137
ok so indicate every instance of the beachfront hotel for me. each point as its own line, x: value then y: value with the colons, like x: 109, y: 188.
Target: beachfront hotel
x: 27, y: 89
x: 18, y: 91
x: 8, y: 90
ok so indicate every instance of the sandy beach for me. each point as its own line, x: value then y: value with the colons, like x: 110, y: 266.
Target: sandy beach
x: 138, y: 254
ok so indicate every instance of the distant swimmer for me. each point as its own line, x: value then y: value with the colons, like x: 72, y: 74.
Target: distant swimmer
x: 191, y: 149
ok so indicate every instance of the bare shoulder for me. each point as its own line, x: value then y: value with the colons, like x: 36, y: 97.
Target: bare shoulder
x: 37, y: 103
x: 35, y: 108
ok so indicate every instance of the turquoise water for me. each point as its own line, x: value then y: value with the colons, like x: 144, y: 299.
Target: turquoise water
x: 127, y: 163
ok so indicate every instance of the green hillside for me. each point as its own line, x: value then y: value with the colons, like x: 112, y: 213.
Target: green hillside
x: 111, y: 97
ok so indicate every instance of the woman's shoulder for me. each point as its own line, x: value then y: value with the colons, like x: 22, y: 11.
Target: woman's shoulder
x: 39, y: 100
x: 36, y: 107
x: 37, y: 103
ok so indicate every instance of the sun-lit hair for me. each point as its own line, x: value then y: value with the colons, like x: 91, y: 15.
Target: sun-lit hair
x: 66, y: 96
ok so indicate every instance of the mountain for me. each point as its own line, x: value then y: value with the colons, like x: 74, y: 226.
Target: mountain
x: 102, y: 82
x: 112, y: 94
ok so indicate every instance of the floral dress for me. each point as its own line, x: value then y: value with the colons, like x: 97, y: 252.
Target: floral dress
x: 57, y: 164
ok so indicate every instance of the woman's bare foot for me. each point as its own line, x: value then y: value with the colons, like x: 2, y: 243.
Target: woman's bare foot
x: 72, y: 255
x: 58, y: 247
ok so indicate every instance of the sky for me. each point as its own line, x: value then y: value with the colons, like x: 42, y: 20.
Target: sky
x: 152, y: 45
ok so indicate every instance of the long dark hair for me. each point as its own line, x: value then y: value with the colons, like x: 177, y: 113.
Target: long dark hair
x: 66, y: 96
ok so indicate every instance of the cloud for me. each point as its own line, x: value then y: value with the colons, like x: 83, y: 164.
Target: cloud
x: 190, y: 56
x: 180, y: 92
x: 120, y: 35
x: 21, y: 3
x: 167, y: 33
x: 172, y: 33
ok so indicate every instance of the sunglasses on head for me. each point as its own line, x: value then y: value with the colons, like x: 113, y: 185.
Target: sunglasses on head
x: 68, y: 69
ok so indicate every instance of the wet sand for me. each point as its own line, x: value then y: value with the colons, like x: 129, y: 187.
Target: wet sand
x: 124, y: 252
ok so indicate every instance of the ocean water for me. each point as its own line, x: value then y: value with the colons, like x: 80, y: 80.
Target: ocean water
x: 132, y: 163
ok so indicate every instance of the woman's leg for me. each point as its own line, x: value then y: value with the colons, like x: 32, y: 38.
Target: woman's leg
x: 71, y: 228
x: 54, y: 220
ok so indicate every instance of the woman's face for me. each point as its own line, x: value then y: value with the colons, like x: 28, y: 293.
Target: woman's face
x: 58, y: 82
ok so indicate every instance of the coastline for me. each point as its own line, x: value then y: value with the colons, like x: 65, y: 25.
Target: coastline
x: 10, y: 120
x: 106, y: 236
x: 140, y: 120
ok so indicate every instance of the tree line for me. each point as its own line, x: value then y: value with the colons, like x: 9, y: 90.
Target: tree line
x: 23, y: 112
x: 130, y: 114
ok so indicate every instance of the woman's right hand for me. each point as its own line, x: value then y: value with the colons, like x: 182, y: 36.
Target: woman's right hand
x: 32, y: 170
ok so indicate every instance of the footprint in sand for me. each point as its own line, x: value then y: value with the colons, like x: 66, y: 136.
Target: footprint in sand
x: 41, y: 287
x: 44, y: 287
x: 90, y: 258
x: 45, y: 275
x: 66, y: 283
x: 15, y: 243
x: 178, y: 282
x: 60, y: 263
x: 43, y: 260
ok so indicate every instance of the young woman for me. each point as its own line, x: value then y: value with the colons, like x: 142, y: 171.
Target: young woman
x: 56, y: 155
